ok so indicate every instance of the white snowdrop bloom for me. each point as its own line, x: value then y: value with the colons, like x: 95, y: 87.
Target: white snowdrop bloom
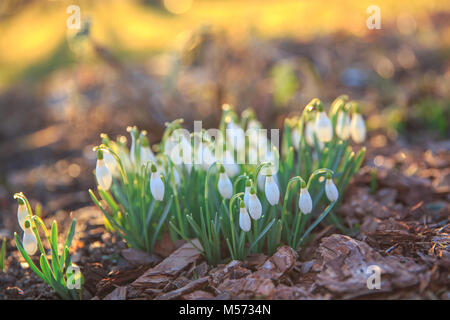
x: 22, y: 214
x: 29, y: 241
x: 231, y: 167
x: 244, y: 219
x: 254, y: 206
x: 323, y: 127
x: 271, y: 190
x: 296, y: 135
x: 147, y: 155
x: 309, y: 133
x: 305, y: 202
x: 102, y: 173
x: 331, y: 190
x: 358, y: 128
x: 224, y: 185
x: 111, y: 163
x: 343, y: 125
x: 156, y: 184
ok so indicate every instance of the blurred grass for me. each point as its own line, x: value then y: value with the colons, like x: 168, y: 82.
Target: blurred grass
x: 33, y: 40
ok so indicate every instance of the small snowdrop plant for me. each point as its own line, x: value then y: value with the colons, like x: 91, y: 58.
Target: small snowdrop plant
x: 133, y: 197
x: 231, y: 189
x: 56, y: 269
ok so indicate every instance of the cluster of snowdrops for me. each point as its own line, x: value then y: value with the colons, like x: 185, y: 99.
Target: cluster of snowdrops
x: 234, y: 189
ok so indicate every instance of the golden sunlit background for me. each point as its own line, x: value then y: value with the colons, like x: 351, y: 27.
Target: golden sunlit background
x: 147, y: 62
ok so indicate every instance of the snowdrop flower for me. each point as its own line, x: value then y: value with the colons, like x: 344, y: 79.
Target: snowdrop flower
x: 248, y: 185
x: 231, y: 167
x: 22, y: 213
x: 309, y: 133
x: 29, y: 239
x: 358, y: 128
x: 305, y: 201
x: 271, y: 190
x: 323, y: 127
x: 111, y: 163
x: 156, y: 184
x: 254, y: 205
x: 296, y: 135
x: 145, y: 152
x: 244, y: 218
x: 330, y: 189
x: 343, y: 125
x: 224, y: 185
x: 102, y: 173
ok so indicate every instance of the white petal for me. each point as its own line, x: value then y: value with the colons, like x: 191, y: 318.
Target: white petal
x: 29, y: 242
x: 157, y: 186
x: 323, y: 128
x: 225, y: 186
x: 272, y: 191
x: 244, y: 220
x: 305, y: 201
x: 358, y: 128
x: 103, y: 175
x: 255, y: 207
x: 331, y: 190
x: 22, y: 214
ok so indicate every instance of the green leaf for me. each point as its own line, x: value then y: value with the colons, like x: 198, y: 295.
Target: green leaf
x: 2, y: 255
x: 262, y: 234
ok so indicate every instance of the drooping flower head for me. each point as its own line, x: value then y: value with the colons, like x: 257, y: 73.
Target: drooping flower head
x: 271, y: 190
x: 357, y: 126
x: 244, y: 218
x: 156, y: 184
x: 330, y: 189
x: 29, y: 239
x: 146, y: 153
x: 102, y: 172
x: 305, y: 202
x: 323, y: 127
x: 343, y: 123
x: 254, y: 205
x: 22, y: 213
x: 224, y: 185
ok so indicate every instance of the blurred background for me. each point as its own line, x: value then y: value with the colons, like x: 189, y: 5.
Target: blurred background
x: 146, y: 62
